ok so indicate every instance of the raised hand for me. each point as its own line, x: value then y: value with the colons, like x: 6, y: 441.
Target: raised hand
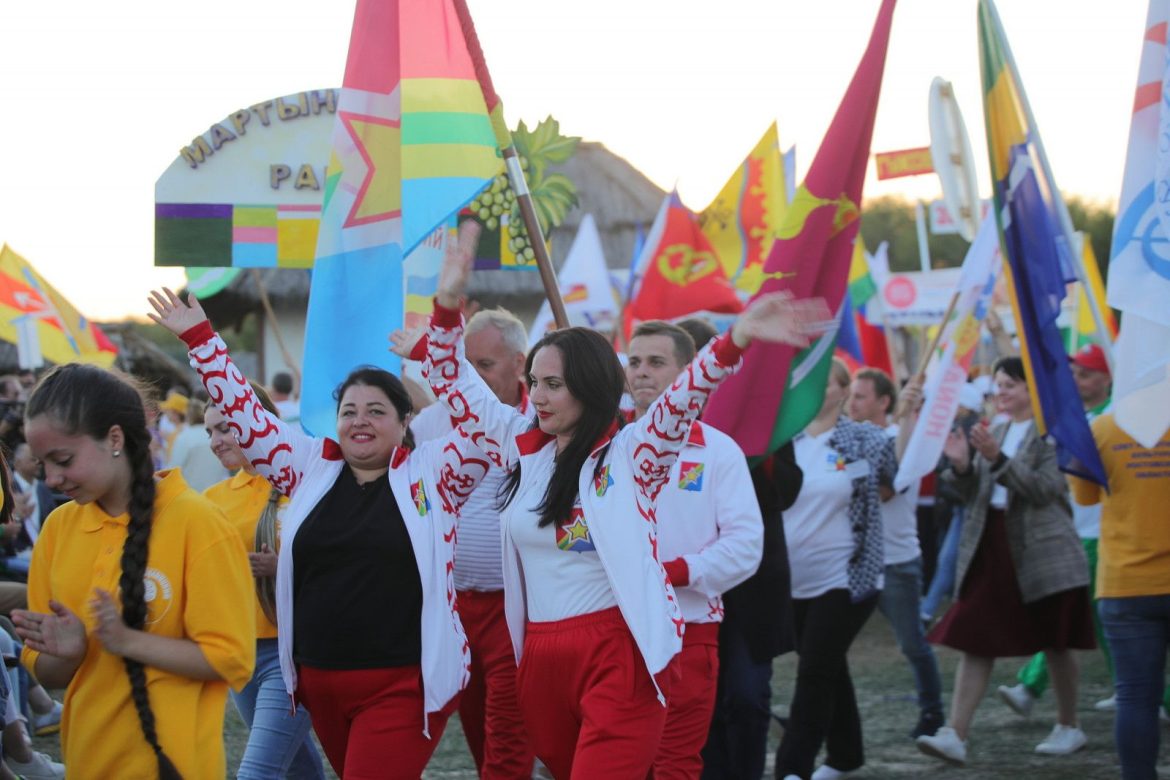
x: 60, y: 634
x: 780, y: 318
x: 984, y: 443
x: 402, y: 341
x: 173, y: 313
x: 457, y: 262
x: 909, y: 398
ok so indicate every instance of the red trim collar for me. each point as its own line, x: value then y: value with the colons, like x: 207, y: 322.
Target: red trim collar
x: 696, y: 438
x: 534, y: 440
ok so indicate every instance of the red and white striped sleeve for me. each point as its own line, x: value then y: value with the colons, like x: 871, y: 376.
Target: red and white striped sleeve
x: 275, y: 449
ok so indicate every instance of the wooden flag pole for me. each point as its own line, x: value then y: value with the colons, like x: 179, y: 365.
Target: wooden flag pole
x: 924, y: 361
x: 270, y: 315
x: 512, y: 165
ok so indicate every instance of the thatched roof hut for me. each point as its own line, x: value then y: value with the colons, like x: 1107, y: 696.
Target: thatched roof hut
x: 619, y: 197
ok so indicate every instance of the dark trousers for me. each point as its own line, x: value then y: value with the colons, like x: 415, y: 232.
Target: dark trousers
x: 737, y: 744
x: 824, y: 708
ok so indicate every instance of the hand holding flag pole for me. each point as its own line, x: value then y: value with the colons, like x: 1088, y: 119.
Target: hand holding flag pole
x: 512, y: 164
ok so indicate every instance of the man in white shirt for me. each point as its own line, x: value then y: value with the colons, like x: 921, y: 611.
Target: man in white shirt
x: 283, y: 395
x: 872, y: 398
x: 495, y: 343
x: 710, y: 539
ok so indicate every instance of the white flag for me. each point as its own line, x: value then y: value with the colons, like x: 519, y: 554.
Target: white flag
x: 585, y: 287
x: 947, y: 374
x: 1139, y: 269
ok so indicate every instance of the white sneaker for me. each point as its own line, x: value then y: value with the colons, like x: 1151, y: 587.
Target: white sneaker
x: 826, y: 772
x: 1063, y: 741
x: 49, y: 723
x: 1107, y: 704
x: 1018, y: 698
x: 41, y: 767
x: 944, y: 744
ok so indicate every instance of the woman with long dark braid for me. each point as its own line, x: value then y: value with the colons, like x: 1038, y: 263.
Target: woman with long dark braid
x: 182, y: 574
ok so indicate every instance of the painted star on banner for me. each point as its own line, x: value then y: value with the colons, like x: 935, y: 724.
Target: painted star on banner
x: 378, y: 141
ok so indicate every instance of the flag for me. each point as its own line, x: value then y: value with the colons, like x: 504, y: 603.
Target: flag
x: 861, y: 284
x: 678, y: 272
x: 947, y: 374
x: 1139, y: 268
x: 1086, y: 328
x: 779, y: 391
x: 43, y: 325
x: 904, y: 162
x: 848, y: 346
x: 1037, y: 254
x: 413, y: 143
x: 585, y: 287
x: 744, y: 218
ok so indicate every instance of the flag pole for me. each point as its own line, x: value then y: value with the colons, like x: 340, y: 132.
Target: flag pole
x: 1066, y: 224
x: 512, y: 165
x: 924, y: 361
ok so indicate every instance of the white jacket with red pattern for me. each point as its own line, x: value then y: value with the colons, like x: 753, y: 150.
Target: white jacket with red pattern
x: 429, y: 485
x: 619, y: 507
x: 709, y: 518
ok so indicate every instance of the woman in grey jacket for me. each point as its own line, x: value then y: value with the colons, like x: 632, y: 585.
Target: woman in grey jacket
x: 1021, y: 575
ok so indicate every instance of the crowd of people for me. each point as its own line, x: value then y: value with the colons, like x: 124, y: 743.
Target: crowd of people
x: 560, y: 550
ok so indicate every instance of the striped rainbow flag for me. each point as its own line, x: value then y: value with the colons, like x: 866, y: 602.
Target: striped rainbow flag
x: 413, y: 143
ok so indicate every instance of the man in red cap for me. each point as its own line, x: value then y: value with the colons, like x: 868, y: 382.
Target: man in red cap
x: 1090, y: 369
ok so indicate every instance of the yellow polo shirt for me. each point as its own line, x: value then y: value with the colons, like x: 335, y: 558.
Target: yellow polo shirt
x: 1133, y: 555
x: 197, y: 578
x: 242, y: 498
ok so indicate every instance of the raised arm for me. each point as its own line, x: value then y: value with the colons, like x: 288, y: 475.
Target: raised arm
x: 275, y: 449
x: 662, y: 431
x: 478, y: 414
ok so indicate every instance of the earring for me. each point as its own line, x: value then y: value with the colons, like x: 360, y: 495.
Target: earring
x: 117, y: 453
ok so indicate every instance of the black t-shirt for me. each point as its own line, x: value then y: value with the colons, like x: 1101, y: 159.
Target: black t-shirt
x: 357, y: 597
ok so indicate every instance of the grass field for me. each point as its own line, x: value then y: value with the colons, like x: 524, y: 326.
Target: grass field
x: 1001, y: 744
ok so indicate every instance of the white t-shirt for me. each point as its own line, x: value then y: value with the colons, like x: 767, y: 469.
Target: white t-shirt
x: 290, y: 410
x: 1011, y: 445
x: 816, y: 526
x: 563, y: 575
x: 900, y: 521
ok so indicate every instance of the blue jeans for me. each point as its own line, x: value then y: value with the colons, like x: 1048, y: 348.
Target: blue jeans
x: 900, y: 602
x: 1138, y: 630
x: 278, y: 743
x: 943, y: 582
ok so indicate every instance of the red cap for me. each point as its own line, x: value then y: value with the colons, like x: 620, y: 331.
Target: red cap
x: 1092, y: 357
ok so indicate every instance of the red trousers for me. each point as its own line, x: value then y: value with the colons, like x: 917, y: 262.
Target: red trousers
x: 488, y: 709
x: 370, y: 721
x: 692, y: 701
x: 588, y: 700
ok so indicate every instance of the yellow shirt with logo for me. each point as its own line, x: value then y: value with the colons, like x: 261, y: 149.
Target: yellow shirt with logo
x: 1134, y: 551
x: 197, y: 577
x: 242, y: 499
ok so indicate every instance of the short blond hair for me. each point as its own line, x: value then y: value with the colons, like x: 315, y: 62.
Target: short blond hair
x: 508, y: 324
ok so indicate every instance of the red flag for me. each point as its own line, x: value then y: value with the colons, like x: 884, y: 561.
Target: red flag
x: 681, y: 274
x: 810, y: 258
x: 874, y: 347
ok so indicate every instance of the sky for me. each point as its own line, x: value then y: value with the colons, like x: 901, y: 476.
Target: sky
x: 99, y: 97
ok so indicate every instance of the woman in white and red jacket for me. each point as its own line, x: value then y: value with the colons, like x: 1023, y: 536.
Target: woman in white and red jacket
x: 594, y: 620
x: 368, y: 632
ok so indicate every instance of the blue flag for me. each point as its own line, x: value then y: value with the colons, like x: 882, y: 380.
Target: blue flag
x: 1034, y: 248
